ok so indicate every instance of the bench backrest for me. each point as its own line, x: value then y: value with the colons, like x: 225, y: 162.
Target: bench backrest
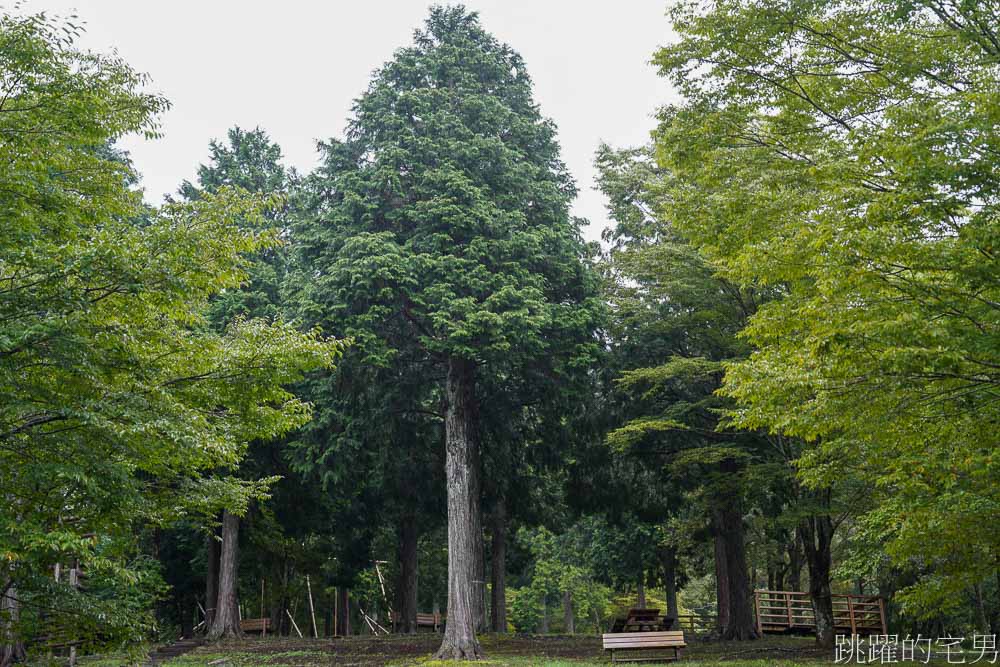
x: 422, y: 618
x: 662, y: 639
x: 255, y: 624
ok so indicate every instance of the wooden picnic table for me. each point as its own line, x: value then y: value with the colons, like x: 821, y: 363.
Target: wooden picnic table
x: 642, y: 620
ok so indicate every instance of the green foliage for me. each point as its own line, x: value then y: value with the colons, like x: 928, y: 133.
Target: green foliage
x: 843, y: 154
x: 119, y: 400
x: 447, y: 208
x: 558, y: 564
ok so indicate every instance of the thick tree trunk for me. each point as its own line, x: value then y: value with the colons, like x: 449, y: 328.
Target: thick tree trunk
x: 721, y: 576
x: 544, y: 629
x: 406, y: 585
x: 227, y: 615
x: 464, y: 529
x: 479, y: 583
x: 736, y: 621
x: 817, y: 537
x: 498, y: 596
x: 11, y: 647
x: 344, y: 611
x: 568, y: 612
x: 640, y: 591
x: 214, y: 553
x: 668, y: 561
x: 741, y: 621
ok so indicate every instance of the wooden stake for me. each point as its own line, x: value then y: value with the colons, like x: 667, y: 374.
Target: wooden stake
x: 294, y: 624
x: 74, y: 583
x: 312, y: 610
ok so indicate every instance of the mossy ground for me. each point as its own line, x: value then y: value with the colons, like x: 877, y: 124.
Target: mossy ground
x: 514, y: 650
x: 500, y: 651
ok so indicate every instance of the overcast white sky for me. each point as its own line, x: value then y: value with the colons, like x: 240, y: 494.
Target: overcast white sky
x: 293, y: 68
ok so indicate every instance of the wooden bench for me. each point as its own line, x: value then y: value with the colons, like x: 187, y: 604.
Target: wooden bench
x: 261, y: 625
x: 435, y: 621
x: 429, y: 621
x: 667, y: 639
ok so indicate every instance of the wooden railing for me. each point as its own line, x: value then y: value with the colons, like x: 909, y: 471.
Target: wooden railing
x: 696, y: 624
x: 787, y: 611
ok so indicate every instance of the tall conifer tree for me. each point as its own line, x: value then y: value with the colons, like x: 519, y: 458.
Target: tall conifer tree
x: 447, y: 214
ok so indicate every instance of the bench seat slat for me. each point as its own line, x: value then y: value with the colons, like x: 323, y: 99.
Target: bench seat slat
x: 645, y: 645
x: 673, y: 634
x: 663, y: 639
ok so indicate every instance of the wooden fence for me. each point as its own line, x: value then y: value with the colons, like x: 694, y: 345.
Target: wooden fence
x: 697, y: 624
x: 791, y: 611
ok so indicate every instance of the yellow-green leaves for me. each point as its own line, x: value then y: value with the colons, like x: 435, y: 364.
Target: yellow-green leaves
x: 845, y: 153
x: 119, y: 402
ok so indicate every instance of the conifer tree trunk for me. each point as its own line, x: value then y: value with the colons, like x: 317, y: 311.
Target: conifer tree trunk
x: 721, y: 576
x: 640, y: 591
x: 406, y: 585
x: 735, y: 602
x: 498, y: 594
x: 668, y: 561
x: 213, y: 551
x: 568, y: 620
x: 461, y: 474
x: 479, y: 583
x: 344, y: 611
x: 741, y: 624
x: 227, y: 615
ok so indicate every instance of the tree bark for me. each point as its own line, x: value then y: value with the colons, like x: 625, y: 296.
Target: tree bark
x: 741, y: 622
x: 214, y: 553
x: 227, y: 615
x: 479, y: 583
x: 498, y: 595
x: 406, y: 585
x: 344, y: 611
x: 568, y: 612
x: 544, y: 629
x: 668, y: 561
x: 464, y: 529
x: 721, y: 577
x: 817, y: 537
x: 640, y: 590
x: 11, y: 647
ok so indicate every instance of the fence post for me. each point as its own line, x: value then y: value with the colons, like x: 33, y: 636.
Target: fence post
x: 756, y: 608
